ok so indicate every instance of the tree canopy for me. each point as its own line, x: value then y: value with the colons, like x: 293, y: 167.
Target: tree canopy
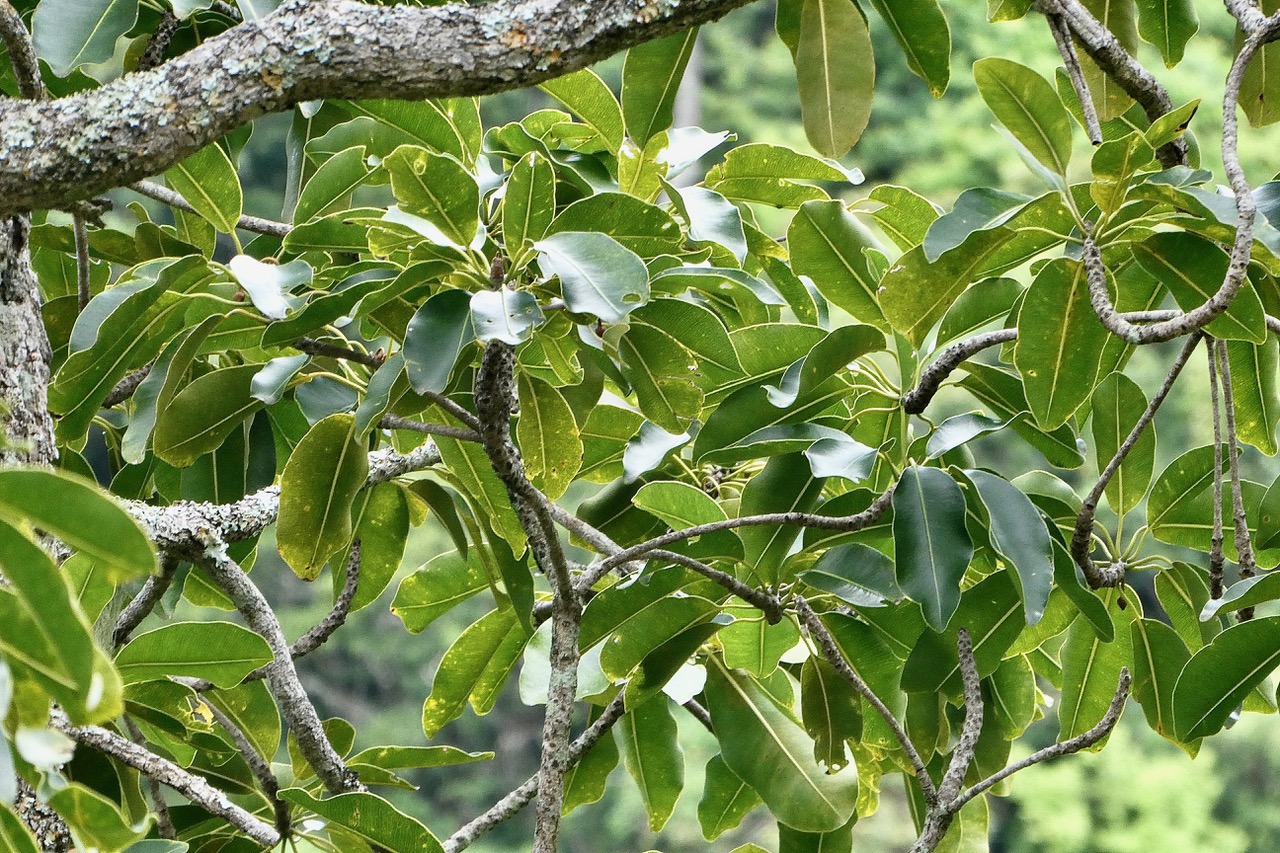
x: 711, y: 431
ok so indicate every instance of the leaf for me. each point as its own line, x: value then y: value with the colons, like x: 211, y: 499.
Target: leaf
x: 436, y: 336
x: 828, y: 245
x: 208, y: 181
x: 959, y: 430
x: 1193, y: 269
x: 587, y: 96
x: 528, y: 205
x: 770, y: 751
x: 202, y: 415
x: 216, y: 651
x: 438, y: 188
x: 474, y: 668
x: 726, y: 799
x: 1243, y: 593
x: 794, y: 841
x: 317, y: 489
x: 920, y: 28
x: 905, y: 215
x: 1026, y: 104
x: 651, y: 751
x: 650, y: 629
x: 1181, y: 491
x: 682, y: 506
x: 1091, y: 667
x: 370, y: 817
x: 71, y: 33
x: 753, y: 645
x: 785, y: 485
x: 1255, y: 399
x: 831, y: 710
x: 1219, y: 676
x: 983, y: 303
x: 504, y: 315
x: 711, y: 218
x: 835, y: 70
x: 932, y: 548
x: 1159, y: 656
x: 977, y: 209
x: 81, y: 516
x: 1059, y: 342
x: 857, y: 574
x: 96, y: 820
x: 434, y: 589
x: 1117, y: 404
x: 548, y: 436
x: 772, y: 174
x: 14, y: 833
x: 1003, y: 394
x: 585, y: 782
x: 643, y: 228
x: 651, y: 78
x: 156, y: 391
x: 330, y: 188
x: 597, y: 273
x: 1120, y: 18
x: 1259, y: 87
x: 1019, y: 535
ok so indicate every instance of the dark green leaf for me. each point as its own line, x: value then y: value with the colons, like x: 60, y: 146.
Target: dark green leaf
x: 217, y: 651
x: 931, y: 545
x: 1117, y: 404
x: 652, y: 753
x: 1219, y: 676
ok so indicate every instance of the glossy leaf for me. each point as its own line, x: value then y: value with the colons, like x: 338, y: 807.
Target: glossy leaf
x: 332, y: 184
x: 1193, y: 269
x: 1026, y: 104
x: 201, y: 416
x: 208, y: 181
x: 548, y: 436
x: 438, y: 188
x: 1091, y: 667
x: 598, y: 274
x: 828, y: 245
x: 921, y: 30
x: 726, y: 799
x: 785, y: 485
x: 216, y: 651
x: 1219, y: 676
x: 474, y: 669
x: 504, y: 315
x: 651, y: 78
x: 1117, y: 404
x: 1019, y: 535
x: 1159, y: 656
x: 528, y: 205
x: 71, y: 33
x: 369, y: 817
x: 857, y: 574
x: 436, y: 336
x: 931, y: 545
x: 1255, y: 398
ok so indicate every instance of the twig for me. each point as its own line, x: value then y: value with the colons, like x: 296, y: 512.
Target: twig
x: 1081, y: 540
x: 918, y: 398
x: 1216, y: 558
x: 22, y: 52
x: 194, y: 788
x: 80, y: 231
x: 258, y: 764
x: 164, y: 821
x: 510, y: 805
x: 1244, y: 547
x: 145, y: 601
x: 282, y: 678
x: 701, y: 714
x: 311, y: 346
x: 337, y: 615
x: 1067, y: 50
x: 1066, y: 747
x: 255, y: 224
x: 827, y: 645
x: 153, y: 55
x: 967, y: 745
x: 769, y: 605
x: 125, y: 387
x: 397, y: 422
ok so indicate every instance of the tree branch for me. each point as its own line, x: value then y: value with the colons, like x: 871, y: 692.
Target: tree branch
x: 918, y: 398
x: 143, y: 123
x: 260, y: 766
x: 1070, y: 61
x: 311, y: 346
x: 22, y: 52
x: 1216, y: 559
x: 769, y: 605
x: 145, y: 601
x: 1244, y: 547
x: 164, y: 195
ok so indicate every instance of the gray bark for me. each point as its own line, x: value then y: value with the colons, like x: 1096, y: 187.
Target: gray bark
x: 26, y: 430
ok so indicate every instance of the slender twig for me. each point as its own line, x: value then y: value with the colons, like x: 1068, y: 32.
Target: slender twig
x: 22, y: 52
x: 827, y: 645
x: 1081, y: 540
x: 1066, y: 747
x: 769, y: 605
x: 701, y: 714
x: 282, y: 679
x: 311, y: 346
x: 1216, y: 558
x: 194, y: 788
x: 1070, y: 61
x: 84, y: 284
x: 145, y: 601
x: 918, y: 398
x: 1244, y: 547
x: 259, y: 765
x: 255, y: 224
x: 164, y: 821
x: 397, y: 422
x: 153, y: 55
x: 127, y: 386
x: 510, y: 805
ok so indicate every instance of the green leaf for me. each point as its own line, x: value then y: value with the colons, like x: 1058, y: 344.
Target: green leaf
x: 433, y: 590
x: 474, y: 668
x: 662, y: 373
x: 1059, y: 343
x: 785, y: 485
x: 447, y: 126
x: 598, y: 274
x: 81, y: 516
x: 711, y: 218
x: 1219, y: 676
x: 201, y: 416
x: 1091, y: 667
x: 504, y: 315
x: 467, y: 462
x: 651, y: 78
x: 1117, y: 404
x: 216, y: 651
x: 1258, y: 89
x: 983, y: 303
x: 650, y: 629
x: 14, y: 833
x: 1183, y: 592
x: 1172, y: 124
x: 643, y: 228
x: 382, y: 519
x: 1255, y: 399
x: 794, y: 841
x: 1120, y: 17
x: 317, y: 489
x: 772, y: 174
x: 1180, y: 492
x: 1248, y: 592
x: 681, y: 506
x: 156, y: 392
x: 771, y: 751
x: 1003, y: 394
x: 584, y: 94
x: 726, y: 799
x: 96, y: 821
x: 370, y: 817
x: 651, y: 751
x: 857, y: 574
x: 585, y: 782
x: 753, y: 645
x: 1019, y: 535
x: 71, y: 33
x: 208, y: 181
x: 959, y: 430
x: 438, y: 188
x: 330, y: 188
x: 1193, y: 269
x: 920, y: 28
x: 1027, y: 104
x: 831, y: 710
x: 436, y: 336
x: 828, y: 245
x: 528, y: 204
x: 905, y: 215
x: 835, y: 69
x: 548, y: 436
x: 1159, y: 656
x: 932, y: 548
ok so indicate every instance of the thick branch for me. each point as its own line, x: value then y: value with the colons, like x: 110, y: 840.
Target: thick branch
x: 193, y: 787
x: 143, y: 123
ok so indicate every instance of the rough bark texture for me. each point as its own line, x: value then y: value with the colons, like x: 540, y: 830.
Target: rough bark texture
x: 54, y: 153
x: 27, y: 434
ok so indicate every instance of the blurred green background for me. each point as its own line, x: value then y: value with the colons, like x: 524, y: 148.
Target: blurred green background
x: 1139, y: 794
